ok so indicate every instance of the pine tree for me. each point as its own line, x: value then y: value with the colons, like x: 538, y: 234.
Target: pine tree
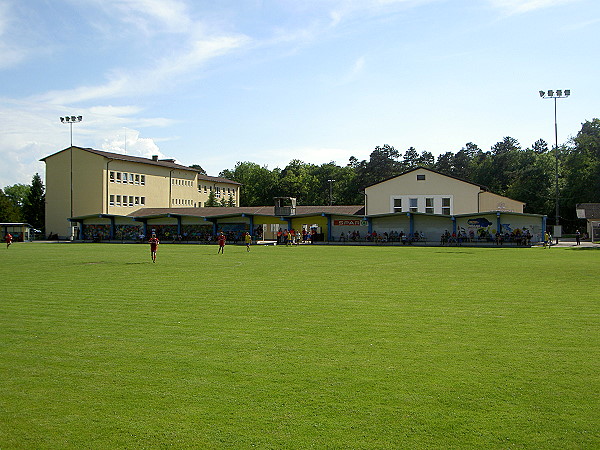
x: 212, y: 200
x: 34, y: 206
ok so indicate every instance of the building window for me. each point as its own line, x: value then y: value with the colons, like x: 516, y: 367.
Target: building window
x: 130, y: 178
x: 118, y: 177
x: 118, y: 200
x: 142, y: 179
x: 131, y: 200
x: 397, y: 205
x: 205, y: 189
x: 413, y: 204
x: 112, y: 177
x: 143, y: 200
x: 446, y: 206
x: 137, y: 200
x: 137, y: 178
x: 421, y: 177
x: 111, y: 202
x: 429, y: 205
x: 124, y: 178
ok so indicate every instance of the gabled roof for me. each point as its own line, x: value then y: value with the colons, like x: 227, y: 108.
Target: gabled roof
x: 482, y: 187
x: 168, y: 163
x: 590, y: 210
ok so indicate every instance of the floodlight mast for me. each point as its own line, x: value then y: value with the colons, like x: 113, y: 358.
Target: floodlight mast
x: 330, y: 191
x: 71, y: 120
x: 556, y: 94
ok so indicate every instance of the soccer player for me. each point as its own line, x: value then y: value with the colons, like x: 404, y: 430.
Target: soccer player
x: 8, y: 238
x: 153, y: 246
x: 221, y: 240
x: 248, y: 240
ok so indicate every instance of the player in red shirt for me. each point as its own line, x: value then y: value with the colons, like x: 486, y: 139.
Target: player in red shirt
x: 8, y: 238
x: 153, y: 246
x: 222, y: 239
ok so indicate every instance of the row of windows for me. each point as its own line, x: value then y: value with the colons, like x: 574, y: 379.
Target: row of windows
x: 413, y: 205
x: 181, y: 202
x: 181, y: 182
x: 218, y: 190
x: 126, y: 200
x: 127, y: 178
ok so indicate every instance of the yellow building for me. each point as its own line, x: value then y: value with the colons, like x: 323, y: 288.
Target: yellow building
x: 427, y: 191
x: 84, y: 181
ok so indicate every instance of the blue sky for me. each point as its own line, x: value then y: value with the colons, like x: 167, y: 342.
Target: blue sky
x: 268, y: 81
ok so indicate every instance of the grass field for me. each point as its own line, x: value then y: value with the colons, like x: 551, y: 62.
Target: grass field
x: 311, y: 346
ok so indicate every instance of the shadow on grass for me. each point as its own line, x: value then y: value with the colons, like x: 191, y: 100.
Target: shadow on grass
x: 584, y: 248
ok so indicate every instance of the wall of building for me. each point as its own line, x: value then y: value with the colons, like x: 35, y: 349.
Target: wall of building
x: 489, y: 201
x: 58, y: 195
x: 463, y: 195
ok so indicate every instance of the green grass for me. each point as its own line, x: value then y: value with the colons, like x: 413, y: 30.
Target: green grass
x: 311, y: 346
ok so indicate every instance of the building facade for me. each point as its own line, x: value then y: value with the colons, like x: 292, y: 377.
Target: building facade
x: 84, y: 181
x: 423, y: 190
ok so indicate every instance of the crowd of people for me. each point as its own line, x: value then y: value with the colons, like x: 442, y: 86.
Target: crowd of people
x: 392, y: 236
x: 518, y: 236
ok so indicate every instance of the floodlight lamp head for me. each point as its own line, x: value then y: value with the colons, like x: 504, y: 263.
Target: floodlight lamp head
x: 73, y: 119
x: 550, y: 93
x: 567, y: 92
x: 62, y: 119
x: 542, y: 94
x: 79, y: 118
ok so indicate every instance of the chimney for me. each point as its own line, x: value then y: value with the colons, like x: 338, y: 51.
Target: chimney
x: 154, y: 157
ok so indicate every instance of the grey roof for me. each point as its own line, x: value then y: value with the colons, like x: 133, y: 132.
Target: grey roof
x: 591, y: 210
x: 138, y: 159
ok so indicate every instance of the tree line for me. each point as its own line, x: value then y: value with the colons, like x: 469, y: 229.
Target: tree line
x: 525, y: 174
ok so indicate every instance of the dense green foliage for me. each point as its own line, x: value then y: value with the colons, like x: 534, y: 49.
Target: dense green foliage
x: 280, y: 347
x: 525, y: 174
x: 24, y: 203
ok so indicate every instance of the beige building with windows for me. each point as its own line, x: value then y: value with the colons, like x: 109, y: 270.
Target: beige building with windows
x: 423, y: 190
x: 84, y: 181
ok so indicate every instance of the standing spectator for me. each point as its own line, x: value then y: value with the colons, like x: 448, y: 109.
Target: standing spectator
x: 578, y: 237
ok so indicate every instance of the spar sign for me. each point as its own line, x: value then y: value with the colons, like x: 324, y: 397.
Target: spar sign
x: 350, y: 223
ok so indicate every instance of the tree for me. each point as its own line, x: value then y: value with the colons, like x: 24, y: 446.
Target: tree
x: 199, y: 169
x: 212, y: 199
x: 410, y: 159
x: 383, y: 164
x: 258, y: 184
x: 34, y: 206
x: 540, y: 146
x: 17, y: 193
x: 230, y: 201
x: 8, y: 211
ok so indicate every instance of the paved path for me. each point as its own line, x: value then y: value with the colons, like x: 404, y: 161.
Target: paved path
x: 570, y: 242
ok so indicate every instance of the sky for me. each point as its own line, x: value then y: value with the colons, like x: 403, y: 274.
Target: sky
x: 268, y: 81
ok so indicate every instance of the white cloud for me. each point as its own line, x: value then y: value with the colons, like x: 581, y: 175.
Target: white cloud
x: 149, y: 16
x: 524, y: 6
x: 122, y: 83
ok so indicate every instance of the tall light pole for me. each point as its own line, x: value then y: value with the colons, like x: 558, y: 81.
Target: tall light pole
x: 71, y: 120
x: 330, y: 191
x: 559, y: 93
